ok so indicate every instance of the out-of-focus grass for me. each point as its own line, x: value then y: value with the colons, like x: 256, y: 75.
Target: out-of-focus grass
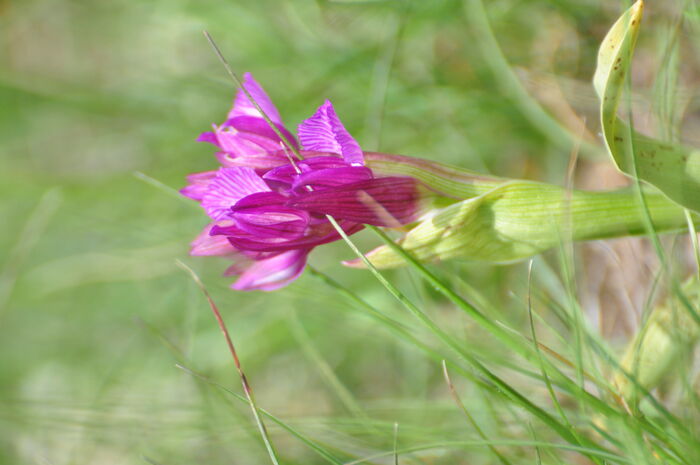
x: 94, y: 314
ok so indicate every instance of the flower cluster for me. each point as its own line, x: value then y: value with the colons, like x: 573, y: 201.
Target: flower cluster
x: 269, y: 201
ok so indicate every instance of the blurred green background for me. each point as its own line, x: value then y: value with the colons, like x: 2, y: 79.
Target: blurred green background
x: 94, y: 313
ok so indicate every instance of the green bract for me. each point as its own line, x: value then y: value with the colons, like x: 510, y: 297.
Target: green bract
x: 674, y: 169
x: 657, y: 350
x: 522, y: 218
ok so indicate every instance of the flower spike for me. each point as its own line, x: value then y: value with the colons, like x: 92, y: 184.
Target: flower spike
x: 269, y: 210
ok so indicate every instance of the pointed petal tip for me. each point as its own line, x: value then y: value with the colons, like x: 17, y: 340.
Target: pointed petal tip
x: 377, y: 257
x: 354, y: 263
x: 188, y: 192
x: 324, y: 132
x: 209, y: 137
x: 206, y: 244
x: 242, y: 105
x: 273, y: 273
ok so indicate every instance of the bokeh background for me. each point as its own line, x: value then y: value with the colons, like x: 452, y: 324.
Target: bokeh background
x: 100, y: 105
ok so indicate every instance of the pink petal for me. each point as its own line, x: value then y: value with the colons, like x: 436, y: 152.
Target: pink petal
x: 241, y: 138
x: 205, y: 244
x: 265, y: 216
x: 282, y: 224
x: 230, y: 186
x: 258, y: 126
x: 209, y: 137
x: 324, y: 132
x: 242, y: 105
x: 263, y: 162
x: 318, y: 234
x: 241, y: 144
x: 273, y: 273
x: 330, y: 177
x: 286, y: 173
x: 198, y: 185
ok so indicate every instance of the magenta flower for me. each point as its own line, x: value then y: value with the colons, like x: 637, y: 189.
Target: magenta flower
x: 269, y: 207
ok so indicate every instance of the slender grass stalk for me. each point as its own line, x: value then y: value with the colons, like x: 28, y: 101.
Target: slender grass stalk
x: 589, y: 452
x: 161, y: 186
x: 693, y: 240
x: 344, y: 395
x: 181, y: 364
x: 396, y: 443
x: 401, y: 330
x: 545, y: 376
x: 244, y: 381
x: 503, y: 335
x: 320, y: 450
x: 31, y: 232
x: 475, y: 425
x: 257, y: 106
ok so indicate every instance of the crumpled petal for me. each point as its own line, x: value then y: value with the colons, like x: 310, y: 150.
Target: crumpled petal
x: 324, y: 132
x: 260, y: 199
x: 243, y: 106
x: 273, y: 273
x: 392, y: 201
x: 250, y: 125
x: 265, y: 215
x: 262, y: 162
x: 237, y: 143
x: 287, y: 173
x: 317, y: 234
x: 282, y: 223
x: 228, y: 187
x: 247, y: 136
